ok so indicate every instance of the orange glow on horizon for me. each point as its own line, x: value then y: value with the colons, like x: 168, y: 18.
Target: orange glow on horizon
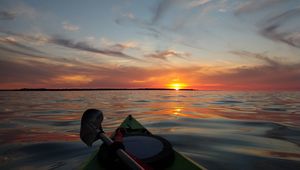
x: 177, y: 86
x: 73, y: 79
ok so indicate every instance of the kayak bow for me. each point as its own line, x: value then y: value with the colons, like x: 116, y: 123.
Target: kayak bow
x: 134, y: 128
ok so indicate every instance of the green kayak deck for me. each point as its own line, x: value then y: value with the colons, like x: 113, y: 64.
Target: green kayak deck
x: 180, y: 161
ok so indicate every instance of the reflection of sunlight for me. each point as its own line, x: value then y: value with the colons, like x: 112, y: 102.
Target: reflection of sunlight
x: 177, y: 111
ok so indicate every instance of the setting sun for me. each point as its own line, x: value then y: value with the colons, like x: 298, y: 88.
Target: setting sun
x: 177, y: 86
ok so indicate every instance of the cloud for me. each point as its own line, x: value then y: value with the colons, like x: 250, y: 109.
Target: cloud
x: 197, y: 3
x: 73, y: 79
x: 37, y: 74
x: 83, y: 46
x: 51, y: 75
x: 16, y: 9
x: 125, y: 45
x: 282, y: 28
x: 12, y: 47
x: 164, y: 55
x: 9, y: 40
x: 68, y: 43
x: 164, y: 5
x: 161, y: 32
x: 46, y: 72
x: 7, y: 15
x: 119, y: 46
x: 13, y: 54
x: 262, y: 57
x: 151, y: 29
x: 255, y: 5
x: 129, y: 15
x: 70, y: 27
x: 290, y: 38
x: 282, y: 77
x: 269, y: 76
x: 17, y: 52
x: 184, y: 29
x: 43, y: 74
x: 25, y: 73
x: 37, y: 38
x: 222, y: 10
x: 160, y: 9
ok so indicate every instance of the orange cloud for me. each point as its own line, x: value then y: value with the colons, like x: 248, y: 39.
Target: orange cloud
x: 54, y: 75
x: 72, y: 79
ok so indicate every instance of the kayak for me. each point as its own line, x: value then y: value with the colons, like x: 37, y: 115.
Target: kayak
x: 133, y: 127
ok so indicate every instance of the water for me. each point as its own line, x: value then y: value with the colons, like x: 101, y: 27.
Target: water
x: 219, y: 130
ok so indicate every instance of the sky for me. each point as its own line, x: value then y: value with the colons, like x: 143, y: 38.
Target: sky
x: 200, y: 44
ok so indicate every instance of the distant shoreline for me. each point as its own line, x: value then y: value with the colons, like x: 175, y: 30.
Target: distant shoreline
x: 96, y: 89
x: 128, y: 89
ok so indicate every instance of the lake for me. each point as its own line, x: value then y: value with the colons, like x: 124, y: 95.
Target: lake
x: 217, y: 129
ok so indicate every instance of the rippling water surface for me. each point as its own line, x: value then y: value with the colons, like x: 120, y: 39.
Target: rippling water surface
x: 219, y: 130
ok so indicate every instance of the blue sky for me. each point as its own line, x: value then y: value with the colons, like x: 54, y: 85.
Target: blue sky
x: 204, y: 44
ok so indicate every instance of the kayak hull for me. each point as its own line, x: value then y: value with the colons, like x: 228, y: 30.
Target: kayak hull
x: 180, y: 161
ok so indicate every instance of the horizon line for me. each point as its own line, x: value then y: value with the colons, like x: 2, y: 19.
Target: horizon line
x: 89, y: 89
x: 143, y: 88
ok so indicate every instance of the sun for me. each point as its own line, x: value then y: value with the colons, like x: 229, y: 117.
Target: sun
x: 177, y: 86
